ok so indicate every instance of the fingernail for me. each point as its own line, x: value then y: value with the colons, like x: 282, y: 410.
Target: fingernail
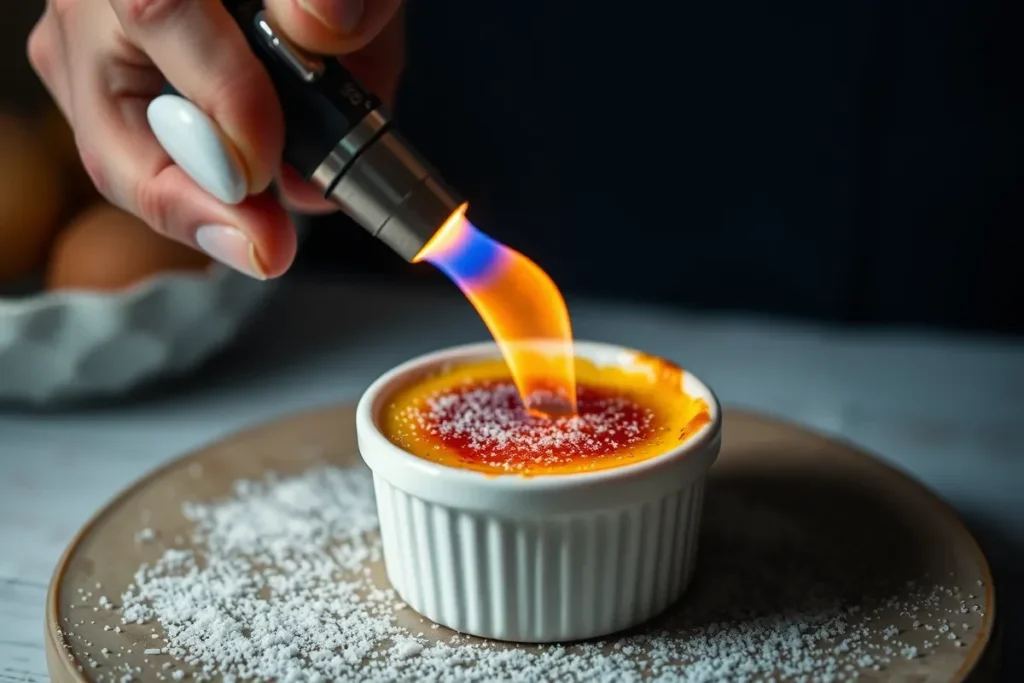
x: 338, y: 15
x: 197, y: 146
x: 231, y: 247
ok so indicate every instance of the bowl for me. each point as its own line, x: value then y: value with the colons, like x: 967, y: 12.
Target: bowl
x: 544, y: 558
x: 72, y: 345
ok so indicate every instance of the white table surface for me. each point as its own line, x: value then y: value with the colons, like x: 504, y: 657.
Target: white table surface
x: 947, y: 409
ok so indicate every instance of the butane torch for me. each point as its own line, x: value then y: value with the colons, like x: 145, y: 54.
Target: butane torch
x: 339, y: 137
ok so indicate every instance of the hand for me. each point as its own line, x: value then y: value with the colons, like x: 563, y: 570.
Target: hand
x: 104, y: 61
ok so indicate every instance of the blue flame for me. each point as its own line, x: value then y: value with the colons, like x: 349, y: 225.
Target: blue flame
x: 473, y: 257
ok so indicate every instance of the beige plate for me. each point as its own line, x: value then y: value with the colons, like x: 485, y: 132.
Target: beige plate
x: 830, y: 511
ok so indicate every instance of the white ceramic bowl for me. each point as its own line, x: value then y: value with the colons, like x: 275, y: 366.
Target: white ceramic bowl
x: 536, y: 559
x: 71, y: 345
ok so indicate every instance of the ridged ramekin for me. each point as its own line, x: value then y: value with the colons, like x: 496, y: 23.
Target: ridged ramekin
x: 536, y: 559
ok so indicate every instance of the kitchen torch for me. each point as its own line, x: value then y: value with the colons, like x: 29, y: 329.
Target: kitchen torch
x: 339, y: 137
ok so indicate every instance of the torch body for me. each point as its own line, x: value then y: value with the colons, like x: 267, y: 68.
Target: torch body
x: 339, y: 137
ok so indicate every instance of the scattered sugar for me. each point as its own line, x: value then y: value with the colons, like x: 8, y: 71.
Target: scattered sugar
x: 407, y: 649
x: 488, y: 421
x: 274, y: 589
x: 145, y: 536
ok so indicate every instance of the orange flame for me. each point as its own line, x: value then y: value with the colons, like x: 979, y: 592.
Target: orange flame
x: 521, y: 306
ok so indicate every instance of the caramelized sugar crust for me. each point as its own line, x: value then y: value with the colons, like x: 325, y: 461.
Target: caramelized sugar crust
x: 470, y: 416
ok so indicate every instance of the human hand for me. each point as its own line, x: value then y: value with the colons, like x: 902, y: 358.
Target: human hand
x: 104, y: 61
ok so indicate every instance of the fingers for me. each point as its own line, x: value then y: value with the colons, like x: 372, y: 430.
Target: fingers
x: 334, y: 27
x: 201, y: 51
x: 254, y: 236
x: 46, y: 55
x: 378, y: 66
x: 196, y: 168
x: 111, y: 87
x: 301, y: 196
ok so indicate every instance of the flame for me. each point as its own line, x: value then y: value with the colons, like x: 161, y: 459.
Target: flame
x: 521, y: 306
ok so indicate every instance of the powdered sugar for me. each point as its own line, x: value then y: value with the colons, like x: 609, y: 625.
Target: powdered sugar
x: 282, y: 582
x: 488, y: 422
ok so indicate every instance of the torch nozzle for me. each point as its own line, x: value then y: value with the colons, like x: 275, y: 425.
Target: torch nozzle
x: 393, y: 193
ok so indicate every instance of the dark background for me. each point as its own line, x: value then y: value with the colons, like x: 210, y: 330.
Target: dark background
x: 854, y: 160
x: 849, y: 160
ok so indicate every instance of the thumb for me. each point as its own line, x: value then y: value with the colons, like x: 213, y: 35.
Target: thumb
x: 332, y: 27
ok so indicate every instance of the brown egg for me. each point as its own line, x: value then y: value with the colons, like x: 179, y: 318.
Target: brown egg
x: 108, y: 249
x: 59, y: 136
x: 31, y: 186
x: 79, y: 190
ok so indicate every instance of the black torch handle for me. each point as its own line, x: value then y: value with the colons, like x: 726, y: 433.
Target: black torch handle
x: 320, y: 99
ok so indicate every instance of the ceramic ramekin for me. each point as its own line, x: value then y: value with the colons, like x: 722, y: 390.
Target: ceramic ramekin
x: 536, y: 559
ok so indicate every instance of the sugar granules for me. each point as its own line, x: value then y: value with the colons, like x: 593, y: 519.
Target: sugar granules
x: 488, y: 421
x: 277, y: 586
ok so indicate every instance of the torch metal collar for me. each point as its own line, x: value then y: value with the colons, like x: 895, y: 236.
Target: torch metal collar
x: 348, y: 148
x: 394, y: 194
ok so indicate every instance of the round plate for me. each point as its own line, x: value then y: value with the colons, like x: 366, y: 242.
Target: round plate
x: 791, y: 518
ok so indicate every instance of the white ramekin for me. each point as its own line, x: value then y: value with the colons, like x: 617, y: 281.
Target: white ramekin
x: 536, y: 559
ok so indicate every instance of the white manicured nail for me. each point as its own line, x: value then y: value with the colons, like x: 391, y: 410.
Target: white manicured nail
x: 231, y: 247
x: 196, y: 144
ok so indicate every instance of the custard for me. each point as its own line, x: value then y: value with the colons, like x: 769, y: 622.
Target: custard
x: 470, y: 416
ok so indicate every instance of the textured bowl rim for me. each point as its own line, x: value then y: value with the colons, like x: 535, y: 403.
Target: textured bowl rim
x: 46, y: 300
x: 547, y: 494
x: 56, y: 330
x: 41, y: 301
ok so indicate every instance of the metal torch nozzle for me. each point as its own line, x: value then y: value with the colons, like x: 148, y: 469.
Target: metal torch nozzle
x: 393, y: 193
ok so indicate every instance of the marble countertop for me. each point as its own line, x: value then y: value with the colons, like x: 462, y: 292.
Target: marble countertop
x: 946, y: 409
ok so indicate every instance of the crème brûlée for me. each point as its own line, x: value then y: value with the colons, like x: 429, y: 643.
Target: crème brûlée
x: 470, y: 416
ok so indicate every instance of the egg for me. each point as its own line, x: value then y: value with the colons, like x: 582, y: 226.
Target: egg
x: 107, y: 249
x: 31, y: 188
x: 79, y: 192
